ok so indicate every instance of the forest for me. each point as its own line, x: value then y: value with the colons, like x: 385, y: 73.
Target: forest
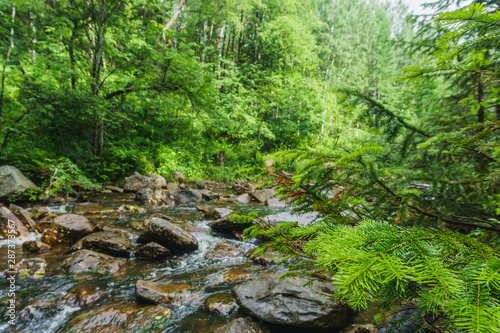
x: 384, y: 124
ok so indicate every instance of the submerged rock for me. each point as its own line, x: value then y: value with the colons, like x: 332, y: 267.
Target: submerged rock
x: 168, y: 235
x: 90, y: 208
x: 90, y: 261
x: 236, y: 274
x: 83, y: 296
x: 34, y: 267
x: 36, y: 247
x: 240, y: 325
x: 221, y: 303
x: 120, y: 317
x: 166, y: 294
x: 222, y: 250
x: 12, y: 181
x: 152, y: 251
x: 266, y: 258
x: 67, y: 229
x: 10, y: 224
x: 229, y: 227
x: 131, y: 209
x: 288, y: 302
x: 111, y: 242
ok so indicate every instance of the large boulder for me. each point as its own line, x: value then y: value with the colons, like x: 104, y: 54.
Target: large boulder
x: 242, y: 198
x: 168, y: 234
x: 152, y: 197
x: 186, y: 197
x: 24, y: 217
x: 228, y: 227
x: 67, y: 229
x: 263, y: 195
x: 215, y: 213
x: 289, y: 302
x: 12, y: 181
x: 166, y: 294
x: 110, y: 242
x: 242, y: 187
x: 152, y: 251
x: 89, y: 261
x: 240, y: 325
x: 10, y: 224
x: 137, y: 181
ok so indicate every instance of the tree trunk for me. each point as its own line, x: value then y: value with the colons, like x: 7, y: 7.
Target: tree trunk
x: 480, y: 98
x: 9, y: 50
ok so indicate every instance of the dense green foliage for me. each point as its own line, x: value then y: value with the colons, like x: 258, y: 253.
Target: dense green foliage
x: 386, y: 203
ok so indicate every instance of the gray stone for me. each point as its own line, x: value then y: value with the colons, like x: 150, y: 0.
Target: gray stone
x: 23, y: 216
x: 137, y: 181
x: 169, y: 235
x: 34, y: 267
x: 12, y: 181
x: 10, y: 224
x: 110, y: 242
x: 242, y: 198
x: 262, y: 195
x: 152, y: 251
x: 179, y: 177
x: 289, y: 302
x: 222, y: 303
x: 242, y: 187
x: 67, y: 229
x: 36, y: 247
x: 275, y: 202
x: 166, y: 294
x: 302, y: 219
x: 90, y: 261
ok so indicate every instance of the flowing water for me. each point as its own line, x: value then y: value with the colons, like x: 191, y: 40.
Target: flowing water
x: 44, y: 304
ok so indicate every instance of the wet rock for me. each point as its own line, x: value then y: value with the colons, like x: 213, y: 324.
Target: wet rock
x: 83, y: 296
x: 36, y: 310
x: 236, y: 274
x: 222, y: 250
x: 222, y: 303
x: 9, y: 222
x: 166, y: 294
x: 114, y: 188
x: 360, y: 329
x: 12, y: 181
x: 152, y: 251
x: 131, y: 209
x: 302, y: 219
x: 242, y: 198
x: 240, y: 325
x: 36, y: 247
x: 137, y: 181
x: 178, y: 177
x: 262, y: 195
x: 168, y: 235
x: 158, y: 215
x: 34, y: 267
x: 209, y: 195
x: 151, y: 197
x: 23, y: 216
x: 406, y: 321
x: 45, y: 223
x: 275, y: 202
x: 186, y: 197
x: 288, y: 302
x: 120, y: 317
x: 266, y: 258
x: 242, y: 187
x: 54, y: 201
x: 110, y: 242
x: 90, y: 261
x: 67, y: 229
x: 217, y: 213
x: 89, y: 208
x: 38, y: 213
x: 229, y: 227
x: 136, y: 225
